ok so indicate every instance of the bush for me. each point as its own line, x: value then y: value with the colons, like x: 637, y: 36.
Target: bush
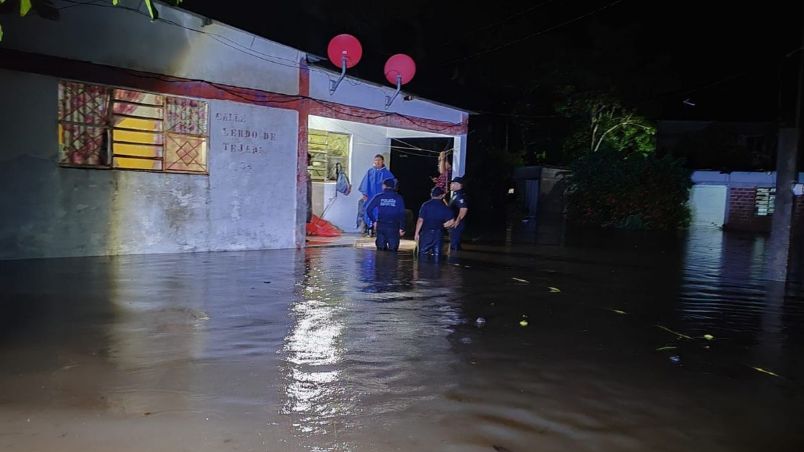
x: 610, y: 189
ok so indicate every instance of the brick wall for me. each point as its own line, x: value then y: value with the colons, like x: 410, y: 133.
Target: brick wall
x: 742, y: 212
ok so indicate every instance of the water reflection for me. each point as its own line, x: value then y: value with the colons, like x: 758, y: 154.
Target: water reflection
x: 367, y: 337
x: 380, y: 272
x: 178, y: 317
x: 348, y: 349
x: 315, y: 394
x: 724, y: 291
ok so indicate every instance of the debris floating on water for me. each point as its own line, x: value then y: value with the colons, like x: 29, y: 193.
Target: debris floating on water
x: 680, y: 335
x: 709, y: 337
x: 617, y: 311
x: 480, y: 321
x: 666, y: 347
x: 675, y: 359
x: 554, y: 289
x: 521, y: 280
x: 765, y: 371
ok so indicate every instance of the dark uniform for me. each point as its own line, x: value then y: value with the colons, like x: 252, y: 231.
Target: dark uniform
x: 433, y: 214
x: 458, y: 202
x: 390, y: 217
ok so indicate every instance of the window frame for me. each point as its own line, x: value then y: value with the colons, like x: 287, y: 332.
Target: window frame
x: 768, y: 199
x: 108, y: 142
x: 327, y: 152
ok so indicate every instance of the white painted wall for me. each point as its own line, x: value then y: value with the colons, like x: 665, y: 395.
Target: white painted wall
x: 179, y: 44
x: 363, y: 94
x: 709, y: 195
x: 366, y: 142
x: 248, y: 201
x: 253, y: 180
x: 130, y: 211
x: 125, y: 37
x: 459, y: 156
x: 738, y: 178
x: 708, y: 205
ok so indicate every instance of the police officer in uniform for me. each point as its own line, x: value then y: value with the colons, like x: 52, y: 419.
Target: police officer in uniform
x: 434, y: 216
x: 460, y: 207
x: 389, y: 216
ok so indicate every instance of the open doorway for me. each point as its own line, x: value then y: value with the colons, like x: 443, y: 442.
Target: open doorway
x: 414, y: 162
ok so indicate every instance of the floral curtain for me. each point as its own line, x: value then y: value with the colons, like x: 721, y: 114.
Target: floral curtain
x: 83, y: 113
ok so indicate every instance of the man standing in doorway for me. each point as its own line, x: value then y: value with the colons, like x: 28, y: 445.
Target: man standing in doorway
x: 389, y: 219
x: 444, y: 171
x: 371, y: 184
x: 460, y: 207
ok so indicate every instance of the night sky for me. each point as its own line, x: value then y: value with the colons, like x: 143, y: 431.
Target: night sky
x: 511, y: 57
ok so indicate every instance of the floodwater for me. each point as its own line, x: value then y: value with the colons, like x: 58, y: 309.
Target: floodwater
x: 584, y: 343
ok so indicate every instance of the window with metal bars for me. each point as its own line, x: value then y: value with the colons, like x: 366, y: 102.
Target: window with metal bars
x: 104, y: 127
x: 327, y: 150
x: 764, y: 200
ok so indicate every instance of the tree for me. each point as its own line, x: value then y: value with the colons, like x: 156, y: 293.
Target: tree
x: 640, y: 192
x: 617, y: 179
x: 602, y: 122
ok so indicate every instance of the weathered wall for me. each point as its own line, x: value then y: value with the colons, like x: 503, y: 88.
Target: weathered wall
x: 248, y: 200
x: 179, y: 44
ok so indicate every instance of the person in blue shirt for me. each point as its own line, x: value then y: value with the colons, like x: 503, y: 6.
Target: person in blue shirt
x: 434, y: 216
x: 371, y: 185
x: 386, y: 211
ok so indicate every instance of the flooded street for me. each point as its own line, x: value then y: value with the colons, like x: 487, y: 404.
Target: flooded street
x: 582, y: 343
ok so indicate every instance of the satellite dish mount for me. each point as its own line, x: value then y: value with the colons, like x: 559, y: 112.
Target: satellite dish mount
x: 344, y: 51
x: 399, y: 70
x: 333, y: 84
x: 390, y: 99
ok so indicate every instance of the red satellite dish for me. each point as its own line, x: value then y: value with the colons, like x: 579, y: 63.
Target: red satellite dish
x: 344, y: 45
x: 400, y: 65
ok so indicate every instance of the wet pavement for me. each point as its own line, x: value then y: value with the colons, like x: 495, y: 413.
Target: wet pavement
x: 555, y: 342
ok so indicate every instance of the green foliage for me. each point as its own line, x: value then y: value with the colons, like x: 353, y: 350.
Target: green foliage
x: 45, y: 9
x: 609, y: 189
x: 602, y: 123
x: 616, y: 178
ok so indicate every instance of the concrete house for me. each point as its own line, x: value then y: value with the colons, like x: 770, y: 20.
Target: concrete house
x: 123, y: 135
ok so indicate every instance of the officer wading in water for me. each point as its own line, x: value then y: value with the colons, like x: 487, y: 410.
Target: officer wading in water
x: 434, y: 216
x: 389, y: 216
